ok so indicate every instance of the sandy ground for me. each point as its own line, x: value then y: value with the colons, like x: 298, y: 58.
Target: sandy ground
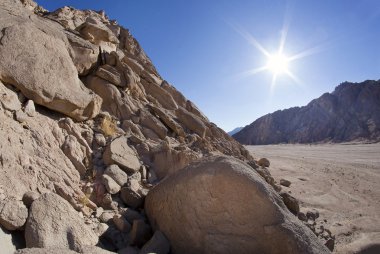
x: 341, y: 181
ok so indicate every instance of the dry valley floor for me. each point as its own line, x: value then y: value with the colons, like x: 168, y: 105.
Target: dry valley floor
x: 341, y: 181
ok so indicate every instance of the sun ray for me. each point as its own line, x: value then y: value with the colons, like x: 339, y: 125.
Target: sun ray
x: 251, y: 72
x: 294, y: 77
x: 307, y: 52
x: 285, y: 29
x: 246, y: 35
x: 273, y: 83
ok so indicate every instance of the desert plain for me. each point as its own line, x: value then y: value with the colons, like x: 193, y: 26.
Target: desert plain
x: 340, y: 181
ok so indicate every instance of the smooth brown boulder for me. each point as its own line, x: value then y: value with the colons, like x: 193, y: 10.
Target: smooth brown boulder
x: 221, y: 205
x: 263, y: 162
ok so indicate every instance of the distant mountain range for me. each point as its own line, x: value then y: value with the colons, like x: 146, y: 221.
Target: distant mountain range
x: 236, y: 130
x: 350, y: 113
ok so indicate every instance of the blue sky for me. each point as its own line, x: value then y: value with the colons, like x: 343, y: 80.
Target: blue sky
x: 198, y: 47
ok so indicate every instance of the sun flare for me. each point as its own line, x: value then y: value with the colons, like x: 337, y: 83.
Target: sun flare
x: 278, y: 63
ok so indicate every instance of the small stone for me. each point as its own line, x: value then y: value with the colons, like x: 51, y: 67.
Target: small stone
x: 263, y: 162
x: 99, y: 211
x: 302, y: 216
x: 158, y: 244
x: 330, y: 243
x: 111, y: 186
x: 118, y: 175
x: 131, y: 214
x: 29, y: 197
x: 290, y: 202
x: 13, y: 215
x: 121, y: 223
x: 285, y: 182
x: 21, y: 117
x: 140, y: 233
x: 108, y: 203
x: 152, y: 177
x: 100, y: 139
x: 313, y: 214
x: 106, y: 216
x: 143, y: 172
x: 101, y: 229
x: 133, y: 194
x: 30, y: 109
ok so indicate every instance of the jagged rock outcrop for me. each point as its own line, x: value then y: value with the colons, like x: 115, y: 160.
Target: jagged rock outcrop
x: 206, y: 200
x: 87, y: 128
x: 350, y: 113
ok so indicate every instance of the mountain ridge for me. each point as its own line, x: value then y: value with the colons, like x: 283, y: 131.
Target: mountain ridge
x: 350, y: 113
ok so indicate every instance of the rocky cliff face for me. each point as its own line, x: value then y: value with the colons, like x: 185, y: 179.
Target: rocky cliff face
x: 350, y: 113
x: 87, y: 128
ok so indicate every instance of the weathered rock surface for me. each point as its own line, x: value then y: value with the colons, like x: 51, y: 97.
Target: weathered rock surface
x: 351, y: 112
x: 206, y: 199
x: 13, y: 214
x: 52, y: 250
x: 120, y: 153
x: 52, y: 222
x: 35, y: 67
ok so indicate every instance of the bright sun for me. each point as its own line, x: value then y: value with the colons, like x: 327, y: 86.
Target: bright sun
x: 277, y: 63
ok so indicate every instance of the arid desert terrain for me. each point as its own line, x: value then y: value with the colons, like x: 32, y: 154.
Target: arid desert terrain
x: 341, y: 181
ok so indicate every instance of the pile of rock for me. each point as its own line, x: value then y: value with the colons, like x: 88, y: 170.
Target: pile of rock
x: 88, y: 132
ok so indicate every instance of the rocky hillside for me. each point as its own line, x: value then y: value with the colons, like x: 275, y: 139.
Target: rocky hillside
x: 350, y: 113
x: 94, y: 144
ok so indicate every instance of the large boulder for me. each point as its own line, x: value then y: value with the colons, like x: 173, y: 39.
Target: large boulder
x: 221, y: 205
x: 44, y: 72
x: 52, y: 222
x: 120, y: 153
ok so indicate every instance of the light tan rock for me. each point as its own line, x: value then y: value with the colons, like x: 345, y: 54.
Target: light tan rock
x: 50, y: 250
x: 52, y: 222
x: 6, y: 242
x: 9, y: 98
x: 111, y: 186
x: 169, y: 161
x: 112, y: 98
x: 162, y: 96
x: 29, y: 108
x: 76, y: 153
x: 120, y: 153
x: 109, y: 73
x: 216, y: 201
x: 36, y: 66
x: 13, y: 214
x: 85, y: 55
x: 118, y: 175
x: 96, y: 32
x: 150, y: 121
x: 168, y: 120
x: 191, y: 122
